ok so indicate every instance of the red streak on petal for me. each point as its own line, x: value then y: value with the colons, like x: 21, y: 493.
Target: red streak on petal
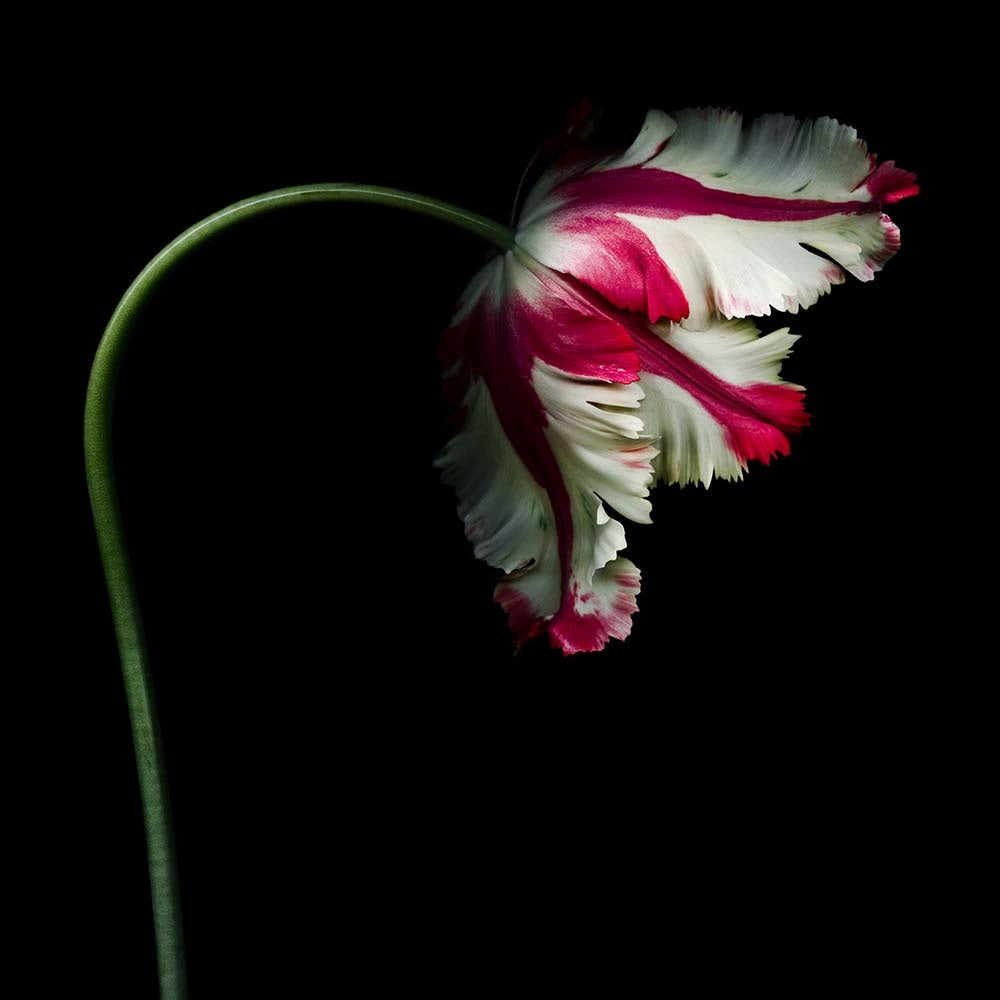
x: 523, y: 618
x: 667, y: 195
x: 889, y: 183
x: 501, y: 342
x: 573, y: 632
x: 622, y: 263
x: 891, y: 244
x: 756, y: 417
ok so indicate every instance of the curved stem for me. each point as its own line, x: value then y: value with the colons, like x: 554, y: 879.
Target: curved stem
x: 111, y: 537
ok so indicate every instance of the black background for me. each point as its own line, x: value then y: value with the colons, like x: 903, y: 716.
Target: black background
x: 364, y: 778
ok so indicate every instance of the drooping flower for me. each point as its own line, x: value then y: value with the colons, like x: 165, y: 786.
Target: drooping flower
x: 611, y: 347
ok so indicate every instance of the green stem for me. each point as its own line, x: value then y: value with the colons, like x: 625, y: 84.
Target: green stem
x: 111, y: 537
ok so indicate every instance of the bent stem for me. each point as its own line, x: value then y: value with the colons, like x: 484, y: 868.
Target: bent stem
x: 111, y: 537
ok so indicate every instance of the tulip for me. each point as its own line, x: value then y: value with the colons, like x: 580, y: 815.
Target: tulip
x: 606, y: 347
x: 610, y: 347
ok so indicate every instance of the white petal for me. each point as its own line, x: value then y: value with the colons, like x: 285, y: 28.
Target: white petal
x: 715, y: 400
x: 774, y: 155
x: 657, y: 128
x: 703, y: 214
x: 542, y: 449
x: 739, y: 267
x: 506, y: 513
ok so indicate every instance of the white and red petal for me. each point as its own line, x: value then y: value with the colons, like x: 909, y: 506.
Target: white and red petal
x: 714, y: 399
x: 548, y: 384
x: 704, y: 215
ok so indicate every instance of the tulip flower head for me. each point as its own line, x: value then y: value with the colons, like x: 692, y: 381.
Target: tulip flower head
x: 612, y: 348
